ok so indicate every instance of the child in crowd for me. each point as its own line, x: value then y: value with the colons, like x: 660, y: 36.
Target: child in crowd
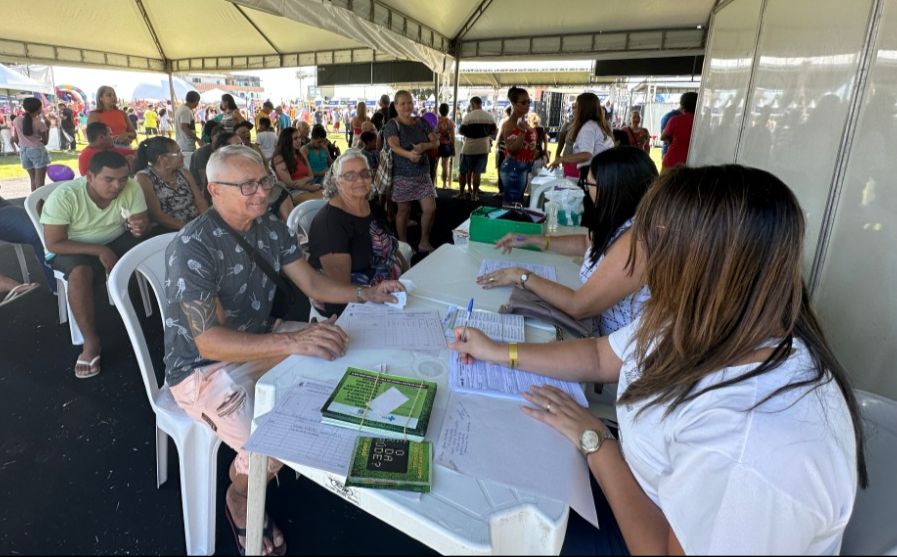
x: 369, y: 143
x: 317, y: 154
x: 266, y: 138
x: 99, y: 138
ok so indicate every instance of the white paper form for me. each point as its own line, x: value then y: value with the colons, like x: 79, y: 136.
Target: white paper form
x: 492, y: 265
x: 492, y: 439
x: 371, y: 326
x: 293, y: 431
x: 503, y: 327
x: 500, y: 381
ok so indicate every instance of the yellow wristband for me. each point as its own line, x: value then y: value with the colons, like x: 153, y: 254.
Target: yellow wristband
x: 547, y: 243
x: 512, y: 355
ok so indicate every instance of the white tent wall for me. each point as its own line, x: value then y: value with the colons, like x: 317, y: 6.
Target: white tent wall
x: 820, y: 114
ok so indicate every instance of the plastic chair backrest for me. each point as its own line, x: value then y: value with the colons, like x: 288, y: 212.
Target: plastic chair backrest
x: 871, y: 529
x: 303, y: 214
x: 148, y: 259
x: 33, y: 200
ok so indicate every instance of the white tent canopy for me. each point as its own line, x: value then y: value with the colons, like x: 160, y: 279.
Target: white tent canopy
x: 12, y: 81
x: 257, y: 34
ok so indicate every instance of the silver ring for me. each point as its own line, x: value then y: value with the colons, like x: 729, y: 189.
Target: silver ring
x: 548, y: 407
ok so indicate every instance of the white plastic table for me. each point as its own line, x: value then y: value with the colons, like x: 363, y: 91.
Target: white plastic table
x: 448, y: 275
x: 461, y: 515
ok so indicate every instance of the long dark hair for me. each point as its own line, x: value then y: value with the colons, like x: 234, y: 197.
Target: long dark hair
x: 722, y: 250
x: 622, y: 175
x: 588, y: 109
x: 149, y: 151
x: 228, y: 101
x: 31, y: 105
x: 285, y: 149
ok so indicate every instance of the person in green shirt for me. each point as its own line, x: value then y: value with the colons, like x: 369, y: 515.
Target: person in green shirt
x: 88, y: 224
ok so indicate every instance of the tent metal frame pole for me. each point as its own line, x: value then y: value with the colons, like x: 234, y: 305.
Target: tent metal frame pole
x: 455, y: 88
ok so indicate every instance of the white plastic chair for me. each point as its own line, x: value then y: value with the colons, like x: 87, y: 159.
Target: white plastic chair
x: 20, y: 255
x: 196, y: 443
x: 65, y: 312
x: 301, y: 216
x: 871, y: 529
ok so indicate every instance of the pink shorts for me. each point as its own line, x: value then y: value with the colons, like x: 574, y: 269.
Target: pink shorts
x: 222, y: 395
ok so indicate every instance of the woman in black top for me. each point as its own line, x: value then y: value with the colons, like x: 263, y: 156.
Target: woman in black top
x: 349, y: 241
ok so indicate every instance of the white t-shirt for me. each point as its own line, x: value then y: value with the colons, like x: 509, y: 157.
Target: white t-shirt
x: 591, y: 139
x: 779, y: 479
x: 267, y: 142
x: 183, y: 115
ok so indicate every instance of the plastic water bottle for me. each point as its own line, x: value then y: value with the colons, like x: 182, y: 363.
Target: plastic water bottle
x: 551, y: 208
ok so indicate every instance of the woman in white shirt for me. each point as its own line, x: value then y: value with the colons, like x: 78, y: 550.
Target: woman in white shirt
x: 590, y: 134
x: 739, y: 431
x: 611, y: 293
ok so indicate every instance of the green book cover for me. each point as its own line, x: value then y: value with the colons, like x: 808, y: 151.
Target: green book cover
x: 347, y: 406
x: 391, y: 464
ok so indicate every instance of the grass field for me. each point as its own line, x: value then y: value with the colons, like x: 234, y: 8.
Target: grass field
x: 10, y: 167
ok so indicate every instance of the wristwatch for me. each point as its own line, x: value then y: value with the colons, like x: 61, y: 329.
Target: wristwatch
x: 358, y: 290
x: 523, y: 278
x: 591, y: 440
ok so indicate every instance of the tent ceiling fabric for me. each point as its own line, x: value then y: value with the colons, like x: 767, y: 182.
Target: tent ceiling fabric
x: 525, y: 18
x: 257, y: 34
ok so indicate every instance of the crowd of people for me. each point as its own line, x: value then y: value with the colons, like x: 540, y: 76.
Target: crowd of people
x: 690, y: 282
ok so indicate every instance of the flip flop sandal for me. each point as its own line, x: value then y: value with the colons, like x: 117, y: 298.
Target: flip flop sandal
x: 92, y: 365
x: 18, y: 291
x: 267, y: 532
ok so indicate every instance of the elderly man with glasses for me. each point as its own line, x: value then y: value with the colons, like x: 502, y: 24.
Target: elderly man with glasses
x: 223, y: 272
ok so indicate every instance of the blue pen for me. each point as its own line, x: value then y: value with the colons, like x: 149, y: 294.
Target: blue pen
x: 467, y: 322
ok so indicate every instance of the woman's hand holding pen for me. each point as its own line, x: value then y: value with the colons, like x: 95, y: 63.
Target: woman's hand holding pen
x: 477, y: 346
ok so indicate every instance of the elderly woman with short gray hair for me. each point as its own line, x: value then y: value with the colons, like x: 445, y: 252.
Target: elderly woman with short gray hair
x: 350, y: 241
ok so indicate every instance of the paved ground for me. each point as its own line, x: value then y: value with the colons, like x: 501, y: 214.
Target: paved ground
x: 77, y: 457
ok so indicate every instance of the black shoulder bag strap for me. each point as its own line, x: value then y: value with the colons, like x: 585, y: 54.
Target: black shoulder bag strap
x: 266, y: 267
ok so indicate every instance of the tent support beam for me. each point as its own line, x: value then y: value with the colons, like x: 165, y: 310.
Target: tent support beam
x: 586, y: 44
x: 259, y: 31
x: 471, y: 21
x: 168, y: 66
x: 455, y: 88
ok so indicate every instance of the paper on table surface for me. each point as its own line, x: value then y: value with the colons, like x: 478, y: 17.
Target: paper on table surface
x: 497, y: 380
x: 493, y: 439
x: 384, y: 404
x: 293, y: 431
x: 501, y: 327
x: 371, y: 326
x: 491, y: 265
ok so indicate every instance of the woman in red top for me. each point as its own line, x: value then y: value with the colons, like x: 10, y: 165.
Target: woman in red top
x: 292, y: 169
x: 108, y: 113
x: 520, y: 147
x: 445, y: 131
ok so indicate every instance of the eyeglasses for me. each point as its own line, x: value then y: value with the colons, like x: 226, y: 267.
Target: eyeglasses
x: 250, y: 186
x: 353, y: 176
x: 173, y: 155
x: 591, y: 184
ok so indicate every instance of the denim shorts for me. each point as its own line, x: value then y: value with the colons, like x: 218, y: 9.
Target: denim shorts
x: 34, y: 157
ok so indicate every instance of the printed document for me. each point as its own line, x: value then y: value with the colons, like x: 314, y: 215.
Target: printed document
x: 493, y: 439
x: 492, y: 265
x: 371, y: 326
x: 293, y: 431
x: 494, y: 379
